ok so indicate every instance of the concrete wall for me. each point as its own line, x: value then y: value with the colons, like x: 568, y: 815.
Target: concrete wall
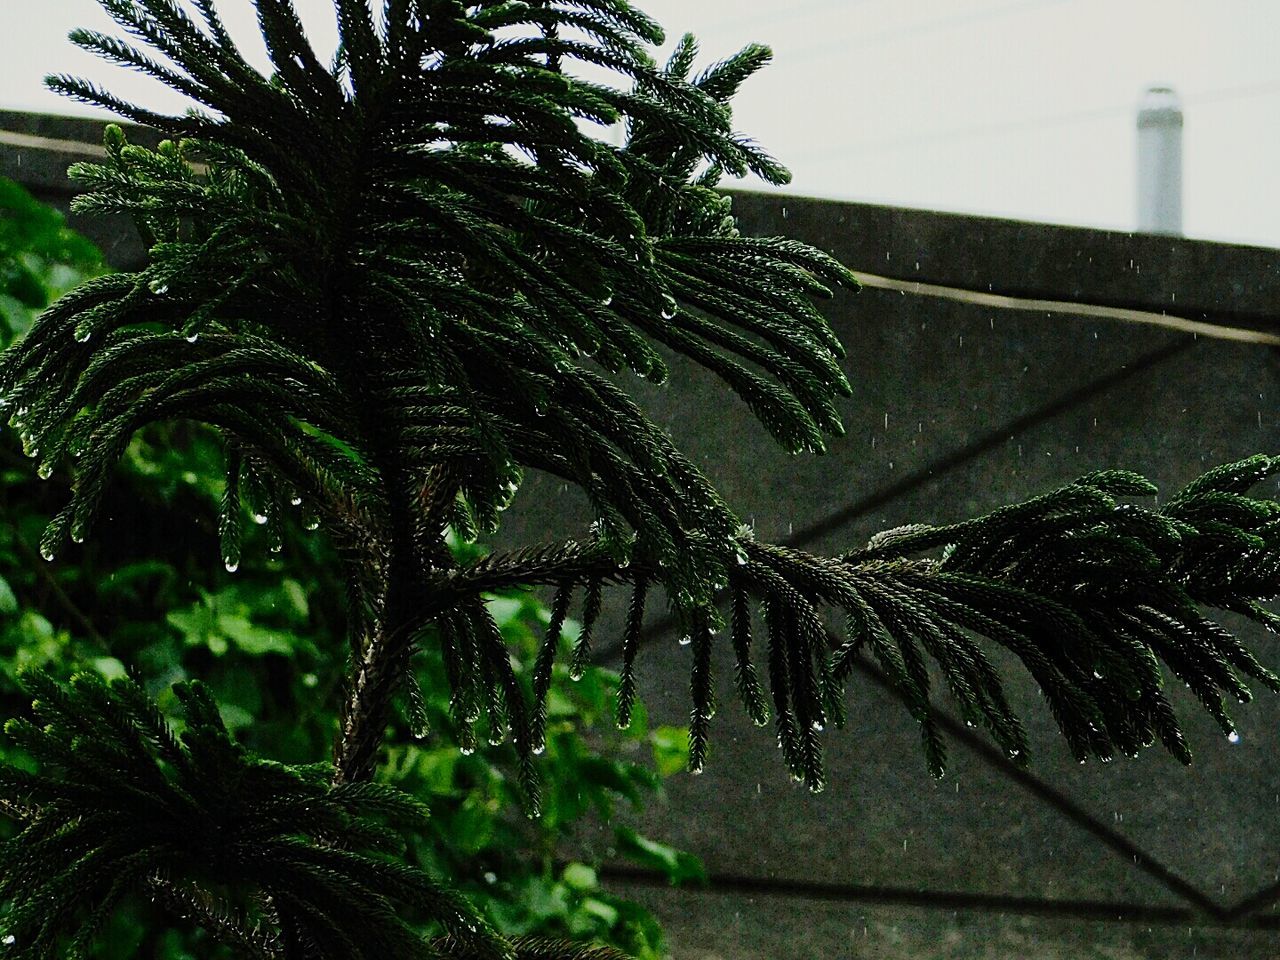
x: 957, y: 409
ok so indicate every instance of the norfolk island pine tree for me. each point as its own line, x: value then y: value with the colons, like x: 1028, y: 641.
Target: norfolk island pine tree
x: 395, y: 282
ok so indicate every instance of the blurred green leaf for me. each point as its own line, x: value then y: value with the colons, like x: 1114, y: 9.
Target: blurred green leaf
x: 679, y: 867
x: 506, y: 611
x: 670, y: 749
x: 580, y: 877
x: 8, y: 601
x: 296, y: 595
x: 109, y: 667
x: 601, y: 910
x: 252, y: 639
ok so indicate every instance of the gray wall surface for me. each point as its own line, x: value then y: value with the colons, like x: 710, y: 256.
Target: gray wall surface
x: 957, y: 409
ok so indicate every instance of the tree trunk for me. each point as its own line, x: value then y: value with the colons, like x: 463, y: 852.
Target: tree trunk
x: 376, y: 678
x: 379, y: 668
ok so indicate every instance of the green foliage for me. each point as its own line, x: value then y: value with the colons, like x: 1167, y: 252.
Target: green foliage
x: 122, y: 803
x: 40, y: 257
x: 393, y: 284
x: 511, y: 865
x: 256, y: 852
x: 266, y: 642
x: 507, y: 865
x: 1090, y: 594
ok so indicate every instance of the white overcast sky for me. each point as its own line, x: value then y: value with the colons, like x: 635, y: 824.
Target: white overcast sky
x: 1020, y: 108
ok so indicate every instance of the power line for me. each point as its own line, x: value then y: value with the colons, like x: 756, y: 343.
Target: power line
x: 26, y: 141
x: 1102, y: 911
x: 872, y: 148
x: 1097, y: 311
x: 979, y: 298
x: 968, y: 133
x: 795, y: 12
x: 930, y: 26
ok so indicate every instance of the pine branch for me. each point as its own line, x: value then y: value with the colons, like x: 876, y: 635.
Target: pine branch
x: 536, y: 948
x: 197, y: 906
x: 122, y: 806
x: 267, y: 251
x: 1097, y: 597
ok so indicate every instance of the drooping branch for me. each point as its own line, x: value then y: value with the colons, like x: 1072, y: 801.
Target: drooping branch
x: 1096, y: 597
x: 194, y: 905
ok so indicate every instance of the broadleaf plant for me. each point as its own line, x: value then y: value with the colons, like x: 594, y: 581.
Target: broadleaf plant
x: 40, y: 256
x: 396, y: 282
